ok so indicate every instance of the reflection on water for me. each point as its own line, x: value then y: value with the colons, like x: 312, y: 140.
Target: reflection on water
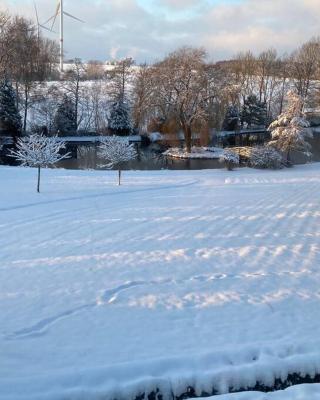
x: 150, y: 158
x: 86, y: 156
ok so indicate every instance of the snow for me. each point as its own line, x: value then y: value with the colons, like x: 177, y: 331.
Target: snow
x: 196, y: 152
x: 155, y: 136
x: 175, y: 279
x: 300, y: 392
x: 131, y: 138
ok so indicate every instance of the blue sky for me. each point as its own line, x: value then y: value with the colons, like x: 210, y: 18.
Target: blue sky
x: 149, y: 29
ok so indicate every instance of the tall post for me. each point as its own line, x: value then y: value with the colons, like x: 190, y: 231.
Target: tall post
x: 61, y: 36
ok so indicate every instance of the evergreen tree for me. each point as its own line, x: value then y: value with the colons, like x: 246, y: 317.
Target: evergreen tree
x: 120, y: 120
x: 254, y: 112
x: 291, y: 131
x: 10, y: 119
x: 232, y: 119
x: 65, y: 119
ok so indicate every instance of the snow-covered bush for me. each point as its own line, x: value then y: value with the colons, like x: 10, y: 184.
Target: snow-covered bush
x: 116, y: 151
x: 265, y: 157
x: 291, y: 130
x: 230, y: 159
x: 38, y: 151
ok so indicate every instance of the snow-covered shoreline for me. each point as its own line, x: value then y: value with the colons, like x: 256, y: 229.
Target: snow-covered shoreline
x: 178, y: 278
x: 196, y: 153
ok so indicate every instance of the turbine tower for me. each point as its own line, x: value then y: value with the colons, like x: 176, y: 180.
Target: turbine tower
x: 61, y: 12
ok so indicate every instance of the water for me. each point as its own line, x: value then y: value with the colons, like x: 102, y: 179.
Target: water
x: 149, y: 158
x: 86, y: 156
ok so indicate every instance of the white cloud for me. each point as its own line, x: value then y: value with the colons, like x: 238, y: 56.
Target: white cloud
x: 126, y: 27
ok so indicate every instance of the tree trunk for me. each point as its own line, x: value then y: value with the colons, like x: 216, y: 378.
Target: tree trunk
x: 289, y: 164
x: 39, y: 174
x: 76, y: 104
x: 119, y: 177
x: 17, y: 95
x: 188, y: 137
x: 26, y: 104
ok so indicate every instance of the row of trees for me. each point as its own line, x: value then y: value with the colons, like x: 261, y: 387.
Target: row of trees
x: 40, y: 151
x: 181, y: 92
x: 26, y: 58
x: 189, y: 93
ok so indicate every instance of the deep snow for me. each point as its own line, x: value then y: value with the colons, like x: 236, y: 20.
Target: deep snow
x: 177, y: 278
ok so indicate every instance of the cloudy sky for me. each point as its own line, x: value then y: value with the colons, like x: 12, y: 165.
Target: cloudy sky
x: 148, y: 29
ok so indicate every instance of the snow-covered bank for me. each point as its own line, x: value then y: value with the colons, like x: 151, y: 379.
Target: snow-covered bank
x: 203, y: 278
x: 196, y: 152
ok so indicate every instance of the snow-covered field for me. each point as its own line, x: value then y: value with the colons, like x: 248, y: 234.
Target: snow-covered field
x: 175, y: 279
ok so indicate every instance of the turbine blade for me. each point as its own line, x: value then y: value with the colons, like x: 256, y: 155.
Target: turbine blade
x: 48, y: 20
x: 47, y: 29
x: 35, y: 9
x: 71, y: 16
x: 55, y: 16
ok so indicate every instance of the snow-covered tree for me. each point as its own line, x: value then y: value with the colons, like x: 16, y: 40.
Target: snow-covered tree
x: 291, y: 130
x: 10, y: 119
x: 120, y: 120
x: 230, y: 159
x: 254, y: 112
x: 38, y: 151
x: 232, y: 119
x: 265, y: 157
x: 116, y: 151
x: 65, y: 121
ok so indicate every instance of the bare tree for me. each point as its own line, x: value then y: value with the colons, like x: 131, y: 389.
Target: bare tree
x: 31, y: 59
x: 120, y: 77
x: 4, y: 42
x: 244, y: 67
x: 72, y: 86
x: 305, y: 64
x: 94, y: 70
x: 142, y: 97
x: 181, y: 85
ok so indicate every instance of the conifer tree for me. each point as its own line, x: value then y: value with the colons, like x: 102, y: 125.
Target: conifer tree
x: 291, y: 130
x: 120, y: 123
x: 254, y: 112
x: 65, y: 119
x: 10, y: 119
x: 232, y: 119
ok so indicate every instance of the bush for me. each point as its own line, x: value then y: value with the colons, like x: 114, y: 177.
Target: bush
x: 265, y: 158
x: 230, y: 159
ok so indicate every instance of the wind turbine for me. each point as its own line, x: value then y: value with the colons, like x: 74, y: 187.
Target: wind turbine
x: 60, y: 11
x: 38, y: 23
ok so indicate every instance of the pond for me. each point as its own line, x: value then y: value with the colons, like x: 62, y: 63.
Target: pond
x: 86, y: 156
x: 151, y: 158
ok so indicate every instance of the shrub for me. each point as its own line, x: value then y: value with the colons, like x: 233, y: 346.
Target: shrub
x: 230, y: 159
x: 265, y: 158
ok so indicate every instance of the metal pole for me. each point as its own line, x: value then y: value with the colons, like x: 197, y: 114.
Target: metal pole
x: 61, y: 36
